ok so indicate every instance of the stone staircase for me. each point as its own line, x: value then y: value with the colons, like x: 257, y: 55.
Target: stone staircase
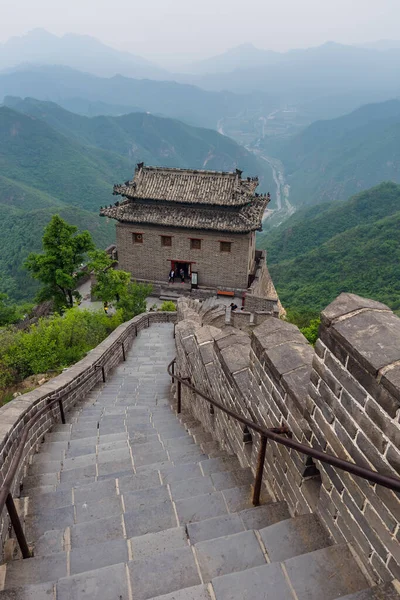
x: 128, y: 502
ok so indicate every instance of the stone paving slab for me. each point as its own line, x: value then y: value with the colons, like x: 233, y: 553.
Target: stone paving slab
x: 93, y: 491
x: 50, y: 542
x: 200, y: 507
x: 108, y: 583
x: 42, y: 503
x: 229, y: 554
x: 165, y: 572
x: 214, y: 528
x: 150, y: 520
x: 92, y: 510
x: 262, y: 516
x: 195, y: 486
x: 146, y: 498
x: 30, y: 592
x: 260, y: 583
x: 198, y: 592
x: 328, y: 573
x: 138, y: 481
x: 55, y: 518
x: 97, y: 556
x: 154, y: 543
x: 102, y: 530
x: 293, y: 537
x: 39, y: 569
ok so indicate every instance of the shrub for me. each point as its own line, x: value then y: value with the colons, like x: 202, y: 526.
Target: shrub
x: 168, y: 306
x: 53, y: 343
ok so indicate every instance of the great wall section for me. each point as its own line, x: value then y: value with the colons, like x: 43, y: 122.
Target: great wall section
x: 131, y: 501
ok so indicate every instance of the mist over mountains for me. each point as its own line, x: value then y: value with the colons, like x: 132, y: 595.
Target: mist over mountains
x: 81, y: 52
x: 91, y: 95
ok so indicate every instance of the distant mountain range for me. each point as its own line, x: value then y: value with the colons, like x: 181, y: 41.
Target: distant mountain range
x: 351, y: 246
x: 322, y: 82
x: 76, y: 51
x: 301, y: 75
x: 53, y: 161
x: 331, y: 160
x: 91, y: 95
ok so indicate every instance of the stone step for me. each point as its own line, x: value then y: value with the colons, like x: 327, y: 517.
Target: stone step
x: 385, y: 591
x: 198, y: 592
x: 327, y: 573
x: 43, y: 591
x: 252, y: 518
x: 163, y: 573
x: 293, y: 537
x: 223, y: 555
x: 267, y: 581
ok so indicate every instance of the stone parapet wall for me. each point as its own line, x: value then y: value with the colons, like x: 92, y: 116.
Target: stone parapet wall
x: 15, y: 414
x: 343, y: 397
x: 354, y: 409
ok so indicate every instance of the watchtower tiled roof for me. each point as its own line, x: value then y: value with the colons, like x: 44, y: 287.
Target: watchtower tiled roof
x: 188, y: 186
x: 213, y: 200
x: 247, y: 218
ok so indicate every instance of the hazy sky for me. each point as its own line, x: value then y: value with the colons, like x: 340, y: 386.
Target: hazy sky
x: 204, y: 27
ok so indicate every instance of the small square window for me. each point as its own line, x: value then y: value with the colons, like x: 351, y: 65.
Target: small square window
x: 166, y: 240
x: 225, y: 246
x: 195, y: 244
x: 137, y: 238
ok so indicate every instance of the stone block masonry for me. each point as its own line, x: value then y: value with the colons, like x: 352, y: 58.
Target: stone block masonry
x: 149, y: 260
x: 342, y: 397
x: 15, y: 414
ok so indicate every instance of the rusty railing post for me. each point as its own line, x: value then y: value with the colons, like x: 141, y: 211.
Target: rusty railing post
x: 259, y: 473
x: 123, y: 352
x: 173, y: 372
x: 16, y: 523
x: 60, y: 404
x: 179, y: 405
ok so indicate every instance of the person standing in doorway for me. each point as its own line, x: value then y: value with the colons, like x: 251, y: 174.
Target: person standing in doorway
x: 171, y: 276
x: 182, y: 274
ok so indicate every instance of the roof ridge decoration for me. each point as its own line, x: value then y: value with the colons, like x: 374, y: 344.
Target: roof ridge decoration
x: 189, y: 186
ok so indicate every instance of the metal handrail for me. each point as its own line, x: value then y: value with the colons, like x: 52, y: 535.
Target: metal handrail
x: 275, y: 434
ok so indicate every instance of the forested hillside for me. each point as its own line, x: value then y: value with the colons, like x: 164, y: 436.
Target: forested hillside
x: 58, y: 162
x: 145, y: 137
x: 331, y: 160
x: 353, y: 246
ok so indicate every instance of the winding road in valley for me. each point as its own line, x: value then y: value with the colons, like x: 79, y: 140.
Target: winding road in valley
x: 284, y: 208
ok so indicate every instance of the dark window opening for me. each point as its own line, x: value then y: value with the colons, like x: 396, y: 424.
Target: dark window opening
x: 225, y: 246
x: 166, y: 240
x: 137, y: 238
x: 195, y: 244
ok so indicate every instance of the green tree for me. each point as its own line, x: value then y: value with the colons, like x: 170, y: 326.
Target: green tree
x: 133, y: 301
x: 110, y: 284
x: 58, y: 267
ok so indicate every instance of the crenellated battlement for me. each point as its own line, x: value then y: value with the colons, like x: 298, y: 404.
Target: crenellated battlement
x: 342, y: 397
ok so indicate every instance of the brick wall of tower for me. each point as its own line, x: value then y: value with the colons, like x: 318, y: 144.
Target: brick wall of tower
x: 152, y: 261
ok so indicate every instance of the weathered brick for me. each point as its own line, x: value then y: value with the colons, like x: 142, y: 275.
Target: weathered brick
x: 325, y: 373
